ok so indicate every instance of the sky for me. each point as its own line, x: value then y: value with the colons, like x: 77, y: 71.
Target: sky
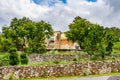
x: 60, y: 13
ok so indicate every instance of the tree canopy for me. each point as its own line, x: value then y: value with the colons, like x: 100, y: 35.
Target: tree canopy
x: 93, y: 38
x: 26, y: 34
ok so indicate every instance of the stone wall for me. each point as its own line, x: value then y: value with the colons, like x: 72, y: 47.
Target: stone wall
x: 75, y: 69
x: 60, y: 57
x: 55, y: 57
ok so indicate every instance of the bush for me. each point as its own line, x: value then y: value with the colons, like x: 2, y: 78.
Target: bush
x: 113, y: 58
x: 4, y: 61
x: 56, y: 62
x: 52, y: 51
x: 29, y: 50
x: 23, y: 58
x: 12, y: 50
x: 75, y: 59
x: 11, y: 76
x: 93, y: 58
x: 5, y: 44
x: 14, y: 57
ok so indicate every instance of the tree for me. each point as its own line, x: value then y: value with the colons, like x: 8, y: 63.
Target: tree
x: 91, y: 37
x: 114, y: 31
x: 28, y: 35
x: 36, y: 39
x: 17, y: 32
x: 5, y: 44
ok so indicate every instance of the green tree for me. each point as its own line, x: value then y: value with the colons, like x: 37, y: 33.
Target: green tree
x: 114, y: 31
x: 5, y: 44
x: 41, y: 32
x: 28, y: 35
x: 91, y: 37
x: 17, y: 32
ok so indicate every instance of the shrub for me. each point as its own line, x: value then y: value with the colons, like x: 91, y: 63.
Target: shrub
x: 113, y: 58
x: 11, y: 76
x: 23, y: 58
x: 12, y: 50
x: 56, y: 62
x: 93, y: 58
x: 29, y: 50
x: 14, y: 57
x: 52, y: 51
x: 4, y: 61
x: 75, y: 59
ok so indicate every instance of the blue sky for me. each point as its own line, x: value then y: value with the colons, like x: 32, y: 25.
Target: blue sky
x: 91, y: 0
x: 37, y: 1
x: 60, y: 13
x: 53, y: 1
x: 64, y: 1
x: 50, y: 2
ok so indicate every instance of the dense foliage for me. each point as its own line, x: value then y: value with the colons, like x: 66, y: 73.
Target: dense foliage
x: 4, y: 60
x: 27, y: 35
x: 5, y: 44
x: 114, y: 31
x: 14, y: 57
x: 23, y: 58
x: 93, y: 38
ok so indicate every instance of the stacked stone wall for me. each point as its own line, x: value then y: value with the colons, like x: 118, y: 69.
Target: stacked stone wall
x: 75, y: 69
x: 60, y: 57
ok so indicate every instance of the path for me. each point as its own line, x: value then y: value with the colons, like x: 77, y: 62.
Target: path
x: 94, y: 78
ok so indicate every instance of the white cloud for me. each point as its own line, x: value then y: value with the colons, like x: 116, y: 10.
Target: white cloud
x: 19, y: 8
x: 103, y: 12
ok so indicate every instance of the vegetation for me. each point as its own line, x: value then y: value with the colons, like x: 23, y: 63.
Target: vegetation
x: 13, y: 57
x: 114, y: 31
x: 4, y: 59
x: 23, y: 58
x: 93, y: 38
x: 5, y: 44
x: 50, y: 63
x: 27, y: 35
x: 11, y: 77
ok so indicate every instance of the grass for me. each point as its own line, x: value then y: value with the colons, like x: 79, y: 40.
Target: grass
x: 64, y: 62
x: 115, y: 51
x: 66, y: 77
x: 66, y: 52
x: 117, y: 45
x: 48, y: 63
x: 4, y: 59
x: 52, y: 63
x: 2, y: 55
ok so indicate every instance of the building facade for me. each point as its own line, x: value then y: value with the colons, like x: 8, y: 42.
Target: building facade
x: 60, y: 41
